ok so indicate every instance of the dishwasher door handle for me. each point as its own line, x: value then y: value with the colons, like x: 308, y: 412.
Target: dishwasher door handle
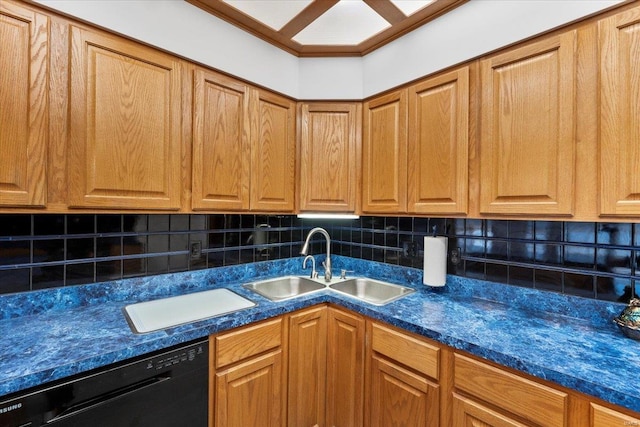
x: 108, y: 397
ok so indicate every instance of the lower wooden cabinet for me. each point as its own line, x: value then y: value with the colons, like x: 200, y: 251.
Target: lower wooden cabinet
x: 250, y: 394
x: 325, y: 366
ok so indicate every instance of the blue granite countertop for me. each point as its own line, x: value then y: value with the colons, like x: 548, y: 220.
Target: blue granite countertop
x: 572, y: 341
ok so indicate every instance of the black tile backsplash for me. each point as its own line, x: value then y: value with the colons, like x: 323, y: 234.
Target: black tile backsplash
x: 594, y: 260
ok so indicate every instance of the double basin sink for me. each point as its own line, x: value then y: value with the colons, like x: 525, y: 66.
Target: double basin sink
x: 369, y: 290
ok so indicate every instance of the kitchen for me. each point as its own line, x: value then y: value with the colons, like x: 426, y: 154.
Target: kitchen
x: 574, y: 250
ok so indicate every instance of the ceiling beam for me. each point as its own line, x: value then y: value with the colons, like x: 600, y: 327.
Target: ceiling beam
x: 387, y: 10
x: 309, y: 14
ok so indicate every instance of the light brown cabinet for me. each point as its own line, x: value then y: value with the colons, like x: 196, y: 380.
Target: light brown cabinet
x: 438, y: 159
x: 124, y: 148
x: 384, y: 154
x: 516, y: 397
x: 619, y: 114
x: 601, y: 416
x: 329, y: 161
x: 24, y: 110
x: 403, y: 387
x: 415, y: 148
x: 243, y: 146
x: 247, y: 377
x: 528, y: 140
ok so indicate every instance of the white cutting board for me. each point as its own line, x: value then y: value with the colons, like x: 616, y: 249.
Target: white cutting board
x: 167, y: 312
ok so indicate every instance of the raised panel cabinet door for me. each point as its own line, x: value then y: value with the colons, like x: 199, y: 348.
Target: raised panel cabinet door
x: 221, y: 150
x: 24, y: 79
x: 273, y: 153
x: 438, y: 144
x: 307, y: 367
x: 400, y: 397
x: 620, y: 114
x: 384, y: 154
x: 125, y: 116
x: 467, y: 413
x: 250, y: 394
x: 528, y: 140
x: 330, y: 156
x: 345, y: 369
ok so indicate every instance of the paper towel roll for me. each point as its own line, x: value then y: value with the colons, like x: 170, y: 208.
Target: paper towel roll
x: 435, y: 261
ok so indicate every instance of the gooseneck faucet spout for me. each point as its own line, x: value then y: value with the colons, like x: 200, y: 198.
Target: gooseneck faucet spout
x: 327, y: 262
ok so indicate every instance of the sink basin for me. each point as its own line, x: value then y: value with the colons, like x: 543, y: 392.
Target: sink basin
x: 371, y: 291
x: 282, y: 288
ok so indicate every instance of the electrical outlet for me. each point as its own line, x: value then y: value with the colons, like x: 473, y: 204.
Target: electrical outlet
x: 196, y: 250
x: 454, y: 256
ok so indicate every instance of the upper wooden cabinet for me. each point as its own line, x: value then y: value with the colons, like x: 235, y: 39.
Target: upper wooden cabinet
x: 620, y: 114
x: 528, y: 142
x: 330, y: 156
x: 124, y: 150
x: 221, y: 150
x: 24, y: 108
x: 438, y: 158
x: 384, y: 154
x: 243, y: 146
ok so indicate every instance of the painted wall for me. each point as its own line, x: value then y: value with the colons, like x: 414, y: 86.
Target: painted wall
x: 477, y: 27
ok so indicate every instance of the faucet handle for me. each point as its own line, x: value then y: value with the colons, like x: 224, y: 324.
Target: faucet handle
x: 343, y: 273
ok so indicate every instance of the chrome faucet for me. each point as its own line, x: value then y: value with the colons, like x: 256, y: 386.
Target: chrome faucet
x: 314, y: 273
x: 327, y: 263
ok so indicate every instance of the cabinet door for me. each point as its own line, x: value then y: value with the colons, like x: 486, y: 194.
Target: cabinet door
x: 345, y: 369
x: 124, y: 147
x: 384, y: 154
x: 330, y: 156
x: 438, y: 144
x: 250, y: 394
x: 528, y: 142
x: 400, y: 397
x: 24, y: 105
x: 273, y: 153
x: 221, y: 151
x: 467, y: 413
x: 307, y: 367
x: 619, y: 113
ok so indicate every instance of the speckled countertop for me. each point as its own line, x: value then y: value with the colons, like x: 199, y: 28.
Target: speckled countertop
x: 572, y: 341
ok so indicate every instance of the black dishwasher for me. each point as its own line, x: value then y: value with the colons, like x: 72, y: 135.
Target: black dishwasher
x: 162, y: 389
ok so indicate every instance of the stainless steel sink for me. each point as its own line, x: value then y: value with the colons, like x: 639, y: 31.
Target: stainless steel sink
x: 282, y: 288
x: 371, y: 291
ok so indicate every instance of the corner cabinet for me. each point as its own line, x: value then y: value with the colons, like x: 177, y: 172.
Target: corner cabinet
x: 243, y: 146
x: 619, y: 114
x: 24, y: 111
x: 329, y: 163
x: 415, y: 148
x: 528, y: 122
x: 124, y: 148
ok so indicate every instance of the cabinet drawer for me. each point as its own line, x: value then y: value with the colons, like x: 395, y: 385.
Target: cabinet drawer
x: 520, y: 396
x: 605, y: 417
x: 246, y: 342
x: 406, y: 349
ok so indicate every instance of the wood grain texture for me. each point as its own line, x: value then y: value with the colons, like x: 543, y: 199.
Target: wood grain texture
x: 246, y: 342
x: 619, y: 113
x: 307, y: 367
x: 384, y: 154
x: 125, y: 145
x: 532, y: 401
x: 345, y: 368
x: 330, y: 156
x: 221, y: 146
x: 400, y: 397
x: 273, y: 152
x: 250, y: 394
x: 467, y: 413
x: 439, y: 144
x: 528, y: 141
x: 406, y: 349
x: 24, y: 80
x: 606, y: 417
